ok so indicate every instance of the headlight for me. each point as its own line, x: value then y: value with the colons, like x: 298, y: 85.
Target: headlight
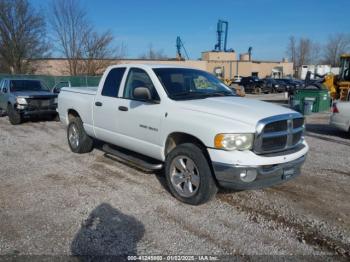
x: 21, y: 101
x: 234, y: 141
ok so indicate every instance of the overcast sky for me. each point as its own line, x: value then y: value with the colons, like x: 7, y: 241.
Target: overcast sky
x: 263, y: 24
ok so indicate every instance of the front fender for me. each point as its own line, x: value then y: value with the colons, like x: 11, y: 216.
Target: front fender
x: 202, y: 126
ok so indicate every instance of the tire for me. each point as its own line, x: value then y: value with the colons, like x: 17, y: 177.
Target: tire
x: 15, y: 118
x: 257, y: 90
x: 201, y: 178
x: 2, y: 112
x: 56, y: 117
x: 78, y: 141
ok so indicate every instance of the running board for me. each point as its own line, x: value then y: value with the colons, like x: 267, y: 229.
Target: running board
x: 134, y: 159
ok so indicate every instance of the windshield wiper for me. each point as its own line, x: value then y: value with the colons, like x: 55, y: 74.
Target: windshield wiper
x: 199, y: 95
x: 213, y: 94
x: 187, y: 95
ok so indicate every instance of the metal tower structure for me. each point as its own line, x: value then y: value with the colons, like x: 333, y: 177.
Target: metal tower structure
x: 222, y: 31
x: 179, y: 45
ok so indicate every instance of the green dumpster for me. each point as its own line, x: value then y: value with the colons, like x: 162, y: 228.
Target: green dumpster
x: 319, y: 97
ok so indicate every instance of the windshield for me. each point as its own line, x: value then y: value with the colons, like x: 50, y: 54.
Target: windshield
x: 26, y: 85
x: 344, y: 71
x: 183, y: 83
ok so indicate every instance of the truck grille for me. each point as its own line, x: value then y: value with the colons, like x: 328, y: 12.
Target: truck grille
x: 279, y: 133
x: 38, y: 103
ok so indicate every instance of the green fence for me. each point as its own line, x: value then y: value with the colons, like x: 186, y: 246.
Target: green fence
x: 50, y: 81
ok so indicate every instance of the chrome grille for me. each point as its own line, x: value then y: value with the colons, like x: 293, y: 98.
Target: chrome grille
x: 278, y: 133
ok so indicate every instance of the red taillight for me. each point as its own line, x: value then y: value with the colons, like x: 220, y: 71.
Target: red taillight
x: 335, y: 108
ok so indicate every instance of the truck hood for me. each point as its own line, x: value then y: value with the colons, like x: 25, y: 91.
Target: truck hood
x: 34, y: 94
x: 244, y: 110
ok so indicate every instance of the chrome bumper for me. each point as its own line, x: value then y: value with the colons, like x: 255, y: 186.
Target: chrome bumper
x: 242, y: 177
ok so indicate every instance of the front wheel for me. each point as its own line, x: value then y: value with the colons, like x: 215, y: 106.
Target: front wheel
x: 2, y: 112
x: 79, y: 142
x: 189, y: 176
x: 56, y: 117
x: 14, y: 116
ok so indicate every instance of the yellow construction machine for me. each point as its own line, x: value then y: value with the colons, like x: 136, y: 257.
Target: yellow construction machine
x: 339, y: 85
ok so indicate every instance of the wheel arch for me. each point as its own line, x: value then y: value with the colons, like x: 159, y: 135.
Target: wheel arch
x: 71, y: 113
x: 177, y: 138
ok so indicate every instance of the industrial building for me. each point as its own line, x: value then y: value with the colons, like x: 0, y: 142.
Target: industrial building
x: 224, y: 64
x: 221, y: 61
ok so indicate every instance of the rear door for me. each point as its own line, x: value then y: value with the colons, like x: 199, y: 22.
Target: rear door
x: 105, y: 107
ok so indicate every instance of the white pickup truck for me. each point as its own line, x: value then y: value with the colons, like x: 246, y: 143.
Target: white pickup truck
x: 189, y: 123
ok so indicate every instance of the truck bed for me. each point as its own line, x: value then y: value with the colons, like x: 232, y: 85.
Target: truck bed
x: 89, y: 90
x: 79, y: 99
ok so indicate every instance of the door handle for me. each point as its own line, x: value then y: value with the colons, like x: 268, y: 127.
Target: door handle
x: 98, y: 104
x: 123, y: 108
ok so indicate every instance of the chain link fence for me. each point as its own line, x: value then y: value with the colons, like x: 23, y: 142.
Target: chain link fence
x: 51, y: 81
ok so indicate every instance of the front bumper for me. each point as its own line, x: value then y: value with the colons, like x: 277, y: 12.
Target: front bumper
x: 229, y: 176
x: 29, y: 111
x: 338, y: 122
x: 270, y: 169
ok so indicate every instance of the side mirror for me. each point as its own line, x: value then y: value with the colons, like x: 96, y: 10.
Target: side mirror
x: 56, y: 90
x: 142, y: 93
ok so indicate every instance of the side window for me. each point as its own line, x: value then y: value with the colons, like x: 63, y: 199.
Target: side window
x: 5, y: 86
x: 112, y: 82
x: 138, y: 78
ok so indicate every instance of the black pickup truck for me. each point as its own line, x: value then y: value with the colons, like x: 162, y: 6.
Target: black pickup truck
x: 22, y: 98
x: 253, y: 84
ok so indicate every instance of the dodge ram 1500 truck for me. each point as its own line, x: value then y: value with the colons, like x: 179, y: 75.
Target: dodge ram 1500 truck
x: 22, y: 98
x: 189, y: 123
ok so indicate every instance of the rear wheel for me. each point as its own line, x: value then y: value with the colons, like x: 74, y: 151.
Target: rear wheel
x: 79, y: 142
x: 189, y: 176
x: 14, y: 116
x: 257, y: 90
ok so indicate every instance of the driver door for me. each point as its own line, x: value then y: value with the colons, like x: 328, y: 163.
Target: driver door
x: 140, y: 121
x: 3, y: 94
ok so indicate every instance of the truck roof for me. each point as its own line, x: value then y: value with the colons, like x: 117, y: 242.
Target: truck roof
x: 23, y: 79
x: 152, y: 66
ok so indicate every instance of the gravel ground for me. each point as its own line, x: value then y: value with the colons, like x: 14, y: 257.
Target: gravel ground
x: 54, y: 202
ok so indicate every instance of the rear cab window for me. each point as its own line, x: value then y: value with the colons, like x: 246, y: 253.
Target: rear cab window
x: 111, y: 85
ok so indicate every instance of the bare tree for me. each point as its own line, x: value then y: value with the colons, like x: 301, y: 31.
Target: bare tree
x: 3, y: 67
x: 153, y: 54
x: 302, y: 51
x: 22, y: 35
x: 70, y: 28
x: 336, y: 45
x: 87, y: 51
x: 292, y: 50
x: 98, y: 52
x: 96, y: 47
